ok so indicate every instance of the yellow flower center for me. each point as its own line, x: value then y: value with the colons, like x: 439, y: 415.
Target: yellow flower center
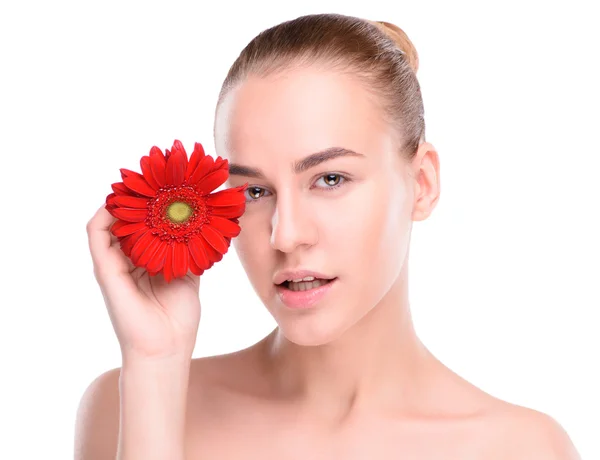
x: 179, y: 212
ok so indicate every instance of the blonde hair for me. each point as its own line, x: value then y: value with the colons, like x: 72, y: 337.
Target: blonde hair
x: 401, y: 40
x: 377, y: 53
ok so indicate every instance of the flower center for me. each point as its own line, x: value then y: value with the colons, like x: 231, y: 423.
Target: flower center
x: 179, y: 211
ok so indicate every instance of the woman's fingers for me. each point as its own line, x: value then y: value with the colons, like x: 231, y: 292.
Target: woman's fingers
x: 109, y: 261
x: 99, y: 236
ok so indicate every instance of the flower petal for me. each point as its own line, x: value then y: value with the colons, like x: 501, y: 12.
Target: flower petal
x: 120, y: 189
x: 147, y: 172
x: 150, y: 252
x: 140, y: 246
x: 123, y: 228
x: 213, y: 254
x: 168, y: 267
x: 205, y: 166
x: 158, y: 259
x: 197, y: 155
x: 136, y: 182
x: 224, y: 226
x: 128, y: 242
x: 215, y: 239
x: 212, y: 181
x: 177, y: 145
x: 220, y: 162
x: 128, y: 201
x: 197, y: 248
x: 228, y: 211
x: 158, y: 164
x: 180, y: 257
x: 228, y: 197
x: 176, y: 167
x: 110, y: 201
x: 194, y: 267
x: 130, y: 214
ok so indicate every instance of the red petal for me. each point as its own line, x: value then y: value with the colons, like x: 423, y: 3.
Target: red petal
x: 205, y: 166
x: 197, y: 155
x: 212, y: 181
x: 229, y: 212
x: 128, y: 201
x: 150, y: 252
x: 140, y: 246
x: 128, y: 242
x: 168, y: 268
x: 197, y: 249
x: 125, y: 228
x: 176, y: 168
x: 158, y: 259
x: 180, y: 258
x: 213, y: 254
x: 224, y: 226
x: 227, y: 197
x: 194, y: 268
x: 116, y: 225
x: 158, y: 164
x: 136, y: 182
x: 177, y: 145
x: 130, y: 214
x: 215, y: 239
x: 220, y: 163
x: 120, y: 189
x: 110, y: 201
x: 147, y: 172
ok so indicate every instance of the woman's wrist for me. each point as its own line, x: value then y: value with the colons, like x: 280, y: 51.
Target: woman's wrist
x: 153, y: 399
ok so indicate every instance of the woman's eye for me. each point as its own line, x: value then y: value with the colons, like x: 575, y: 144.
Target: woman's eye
x: 255, y: 193
x: 331, y: 181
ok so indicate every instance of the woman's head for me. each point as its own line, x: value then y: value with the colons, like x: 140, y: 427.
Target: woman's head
x: 348, y: 87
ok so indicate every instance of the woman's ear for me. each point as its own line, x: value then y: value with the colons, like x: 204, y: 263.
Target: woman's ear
x: 425, y: 168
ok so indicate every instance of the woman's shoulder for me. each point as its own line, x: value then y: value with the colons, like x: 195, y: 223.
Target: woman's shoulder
x: 98, y: 412
x: 520, y: 432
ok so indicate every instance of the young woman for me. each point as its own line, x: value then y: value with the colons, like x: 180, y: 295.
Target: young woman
x: 323, y: 117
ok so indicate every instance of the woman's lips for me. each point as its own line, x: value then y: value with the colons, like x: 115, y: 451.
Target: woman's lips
x: 304, y: 299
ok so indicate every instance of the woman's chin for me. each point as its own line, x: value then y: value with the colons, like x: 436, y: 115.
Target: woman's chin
x: 310, y: 332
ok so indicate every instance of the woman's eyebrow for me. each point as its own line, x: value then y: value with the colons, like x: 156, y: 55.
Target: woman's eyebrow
x: 298, y: 167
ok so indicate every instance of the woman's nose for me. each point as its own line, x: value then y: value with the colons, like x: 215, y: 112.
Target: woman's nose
x: 292, y: 226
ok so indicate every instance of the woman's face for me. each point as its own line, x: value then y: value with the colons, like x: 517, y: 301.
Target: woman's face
x: 348, y: 217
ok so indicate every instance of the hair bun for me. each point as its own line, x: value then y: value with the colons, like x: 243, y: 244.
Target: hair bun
x: 399, y: 37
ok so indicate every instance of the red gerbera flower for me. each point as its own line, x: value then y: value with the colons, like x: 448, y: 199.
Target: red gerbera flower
x: 168, y: 219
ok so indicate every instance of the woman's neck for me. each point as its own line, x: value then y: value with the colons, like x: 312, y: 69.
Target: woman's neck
x: 377, y: 363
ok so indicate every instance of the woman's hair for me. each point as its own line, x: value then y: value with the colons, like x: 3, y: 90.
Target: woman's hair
x: 377, y: 53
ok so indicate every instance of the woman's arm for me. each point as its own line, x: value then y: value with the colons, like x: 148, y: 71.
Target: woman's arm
x: 135, y: 413
x: 153, y: 397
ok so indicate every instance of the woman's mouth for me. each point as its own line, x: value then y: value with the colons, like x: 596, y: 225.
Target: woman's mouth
x: 304, y: 285
x: 304, y: 294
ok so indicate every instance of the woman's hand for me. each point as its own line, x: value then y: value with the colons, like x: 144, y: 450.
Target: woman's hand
x: 152, y: 318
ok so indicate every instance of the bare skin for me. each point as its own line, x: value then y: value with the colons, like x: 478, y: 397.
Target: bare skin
x: 232, y: 413
x: 349, y: 378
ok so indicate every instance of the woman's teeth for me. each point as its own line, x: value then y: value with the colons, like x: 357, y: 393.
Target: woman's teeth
x: 305, y: 285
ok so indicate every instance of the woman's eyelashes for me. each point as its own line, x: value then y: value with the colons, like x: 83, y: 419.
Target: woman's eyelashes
x: 332, y: 181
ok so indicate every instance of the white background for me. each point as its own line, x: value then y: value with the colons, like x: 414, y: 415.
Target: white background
x: 504, y: 275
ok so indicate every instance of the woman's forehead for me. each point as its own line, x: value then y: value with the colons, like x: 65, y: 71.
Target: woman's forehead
x: 302, y: 110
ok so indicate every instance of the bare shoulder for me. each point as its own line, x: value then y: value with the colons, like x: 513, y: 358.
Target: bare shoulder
x: 97, y: 421
x: 98, y: 414
x: 524, y: 433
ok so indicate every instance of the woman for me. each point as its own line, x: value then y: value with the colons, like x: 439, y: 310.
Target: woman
x: 323, y: 117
